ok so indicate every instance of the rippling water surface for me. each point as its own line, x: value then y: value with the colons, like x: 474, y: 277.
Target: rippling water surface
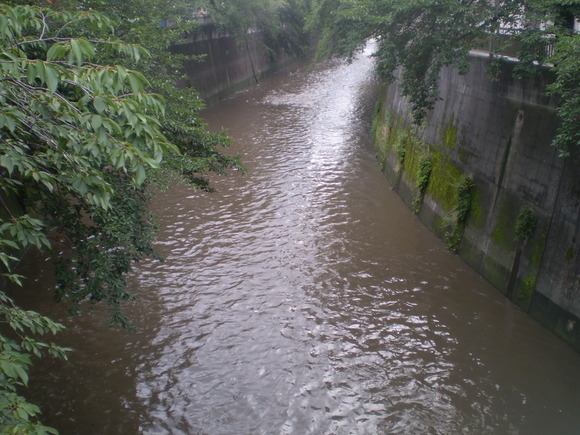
x: 305, y: 298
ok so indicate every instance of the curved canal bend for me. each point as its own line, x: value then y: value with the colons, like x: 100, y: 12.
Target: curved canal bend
x: 305, y: 298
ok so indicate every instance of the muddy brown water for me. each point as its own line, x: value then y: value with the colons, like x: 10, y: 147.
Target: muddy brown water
x: 304, y: 298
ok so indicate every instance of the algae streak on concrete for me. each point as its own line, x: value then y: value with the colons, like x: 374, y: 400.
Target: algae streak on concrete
x: 227, y: 65
x: 493, y: 138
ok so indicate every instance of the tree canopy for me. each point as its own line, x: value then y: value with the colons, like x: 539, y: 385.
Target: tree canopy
x: 83, y: 133
x: 281, y: 22
x: 423, y: 36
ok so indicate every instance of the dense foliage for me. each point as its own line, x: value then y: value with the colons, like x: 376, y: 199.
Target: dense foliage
x: 83, y: 134
x: 280, y: 21
x: 138, y: 22
x: 423, y: 36
x: 567, y: 88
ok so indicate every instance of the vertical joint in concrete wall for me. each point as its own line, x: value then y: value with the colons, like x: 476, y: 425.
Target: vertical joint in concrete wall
x: 518, y: 126
x: 512, y: 143
x: 213, y: 69
x: 251, y: 61
x: 501, y: 176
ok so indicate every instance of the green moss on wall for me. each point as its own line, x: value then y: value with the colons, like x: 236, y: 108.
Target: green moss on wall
x: 464, y: 198
x: 462, y: 209
x: 476, y: 210
x: 526, y: 291
x: 390, y: 136
x: 501, y: 235
x: 537, y: 249
x: 432, y: 172
x: 422, y: 176
x: 465, y: 156
x: 449, y: 133
x: 495, y: 273
x: 399, y: 145
x: 401, y: 151
x: 514, y: 221
x: 445, y: 178
x: 380, y: 145
x: 424, y: 173
x: 495, y: 248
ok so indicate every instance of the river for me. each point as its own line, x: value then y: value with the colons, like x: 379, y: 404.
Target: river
x: 303, y: 297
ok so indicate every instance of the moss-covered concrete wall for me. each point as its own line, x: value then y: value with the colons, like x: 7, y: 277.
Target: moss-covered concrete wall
x: 482, y: 175
x: 227, y: 65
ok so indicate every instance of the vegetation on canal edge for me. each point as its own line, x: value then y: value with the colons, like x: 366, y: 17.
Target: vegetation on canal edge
x: 429, y: 170
x: 512, y: 237
x: 83, y: 134
x: 423, y: 175
x: 281, y: 22
x: 461, y: 202
x: 432, y: 172
x: 525, y: 224
x: 423, y: 37
x: 464, y: 204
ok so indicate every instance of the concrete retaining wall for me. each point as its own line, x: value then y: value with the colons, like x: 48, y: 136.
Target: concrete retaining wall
x: 228, y: 65
x: 498, y: 134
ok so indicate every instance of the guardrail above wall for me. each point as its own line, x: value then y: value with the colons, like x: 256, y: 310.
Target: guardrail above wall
x: 501, y: 44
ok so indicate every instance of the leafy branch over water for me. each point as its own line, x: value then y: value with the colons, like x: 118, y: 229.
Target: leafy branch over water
x: 83, y: 134
x: 418, y: 38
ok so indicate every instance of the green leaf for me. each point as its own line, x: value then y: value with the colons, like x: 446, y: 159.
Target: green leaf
x: 99, y: 104
x: 7, y: 163
x: 52, y: 79
x: 22, y: 414
x: 8, y: 368
x: 55, y: 52
x: 4, y: 25
x: 40, y: 70
x: 76, y: 51
x: 122, y: 72
x: 96, y: 122
x: 22, y: 374
x: 30, y: 72
x: 136, y: 84
x: 139, y: 175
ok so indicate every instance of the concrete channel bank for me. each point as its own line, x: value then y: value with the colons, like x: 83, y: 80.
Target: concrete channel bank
x: 482, y: 175
x: 228, y: 65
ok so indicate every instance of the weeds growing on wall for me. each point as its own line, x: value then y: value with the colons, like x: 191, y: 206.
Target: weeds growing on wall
x: 423, y: 176
x: 465, y: 193
x: 464, y: 198
x: 425, y: 168
x: 401, y: 145
x: 525, y: 224
x: 401, y: 150
x: 525, y: 227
